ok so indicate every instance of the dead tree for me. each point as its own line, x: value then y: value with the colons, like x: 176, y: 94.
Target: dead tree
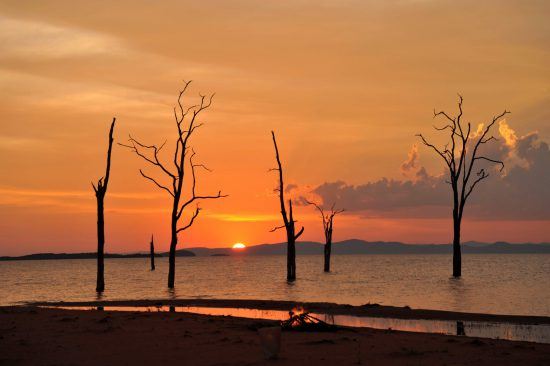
x: 100, y: 190
x: 288, y: 220
x: 152, y: 253
x: 186, y: 120
x: 328, y: 220
x: 460, y: 160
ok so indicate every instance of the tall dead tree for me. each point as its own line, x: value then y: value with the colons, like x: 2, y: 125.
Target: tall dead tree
x: 460, y: 160
x: 152, y: 253
x: 288, y: 220
x: 186, y: 120
x: 328, y: 220
x: 100, y: 190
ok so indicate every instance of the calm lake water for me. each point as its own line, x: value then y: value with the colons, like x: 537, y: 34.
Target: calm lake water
x: 498, y: 284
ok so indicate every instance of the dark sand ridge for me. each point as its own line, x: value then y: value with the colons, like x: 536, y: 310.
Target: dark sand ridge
x: 40, y: 336
x: 373, y: 310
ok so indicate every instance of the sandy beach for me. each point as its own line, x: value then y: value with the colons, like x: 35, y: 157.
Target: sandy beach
x: 31, y: 335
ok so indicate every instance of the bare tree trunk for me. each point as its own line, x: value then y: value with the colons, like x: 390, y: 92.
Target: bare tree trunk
x: 172, y: 260
x: 291, y: 241
x: 457, y: 260
x: 100, y: 191
x: 291, y: 259
x: 152, y: 254
x: 288, y: 220
x: 328, y: 248
x: 174, y: 240
x: 100, y: 283
x: 457, y: 255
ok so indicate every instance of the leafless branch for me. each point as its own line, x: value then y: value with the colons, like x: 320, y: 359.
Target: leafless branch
x: 481, y: 176
x: 299, y: 233
x: 194, y: 197
x: 488, y: 139
x: 425, y: 142
x: 491, y: 160
x: 191, y: 221
x: 463, y: 154
x: 156, y: 183
x: 277, y: 228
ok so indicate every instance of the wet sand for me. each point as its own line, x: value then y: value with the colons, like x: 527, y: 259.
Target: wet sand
x: 40, y: 336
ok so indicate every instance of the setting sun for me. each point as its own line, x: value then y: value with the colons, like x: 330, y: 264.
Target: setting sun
x: 239, y: 246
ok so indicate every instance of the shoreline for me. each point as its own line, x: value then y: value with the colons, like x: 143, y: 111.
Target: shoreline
x: 370, y: 310
x: 32, y: 335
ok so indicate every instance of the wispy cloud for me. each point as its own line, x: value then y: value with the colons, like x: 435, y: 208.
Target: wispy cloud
x: 79, y: 201
x: 243, y: 217
x: 22, y: 192
x: 26, y: 38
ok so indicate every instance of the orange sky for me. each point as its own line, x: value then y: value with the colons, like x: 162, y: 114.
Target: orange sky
x: 345, y: 84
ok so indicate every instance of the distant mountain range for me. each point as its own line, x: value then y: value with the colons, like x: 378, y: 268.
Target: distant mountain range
x: 352, y: 246
x: 356, y: 246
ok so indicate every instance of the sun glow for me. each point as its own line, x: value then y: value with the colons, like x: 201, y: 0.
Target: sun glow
x: 239, y: 246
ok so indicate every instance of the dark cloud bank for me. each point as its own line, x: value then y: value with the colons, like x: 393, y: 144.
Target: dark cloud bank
x: 520, y: 192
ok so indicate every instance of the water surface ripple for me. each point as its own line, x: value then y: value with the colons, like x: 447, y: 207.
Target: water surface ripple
x: 498, y: 284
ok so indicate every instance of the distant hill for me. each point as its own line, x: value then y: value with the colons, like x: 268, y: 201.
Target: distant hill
x: 47, y: 256
x: 356, y: 246
x: 352, y: 246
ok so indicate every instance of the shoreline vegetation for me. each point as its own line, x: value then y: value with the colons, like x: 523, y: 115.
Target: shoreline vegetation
x: 192, y: 339
x: 353, y: 246
x: 91, y: 255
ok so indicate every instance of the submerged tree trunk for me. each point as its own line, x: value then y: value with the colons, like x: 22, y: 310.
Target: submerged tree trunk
x: 328, y: 222
x: 291, y: 260
x: 460, y: 154
x: 457, y: 255
x: 457, y: 212
x: 172, y: 262
x: 328, y: 248
x: 100, y: 283
x: 181, y: 166
x: 100, y: 191
x: 288, y: 220
x: 291, y: 244
x: 152, y: 254
x: 174, y: 243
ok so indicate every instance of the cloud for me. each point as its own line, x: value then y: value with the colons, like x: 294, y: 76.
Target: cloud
x: 290, y: 187
x: 411, y: 164
x: 507, y: 133
x: 22, y: 143
x: 25, y: 38
x: 250, y: 217
x: 519, y: 192
x: 76, y: 201
x: 22, y: 192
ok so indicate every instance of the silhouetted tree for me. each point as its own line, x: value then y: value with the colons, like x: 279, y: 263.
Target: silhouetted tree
x: 288, y: 221
x: 460, y: 159
x: 186, y: 124
x: 152, y: 253
x: 100, y: 191
x: 328, y: 220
